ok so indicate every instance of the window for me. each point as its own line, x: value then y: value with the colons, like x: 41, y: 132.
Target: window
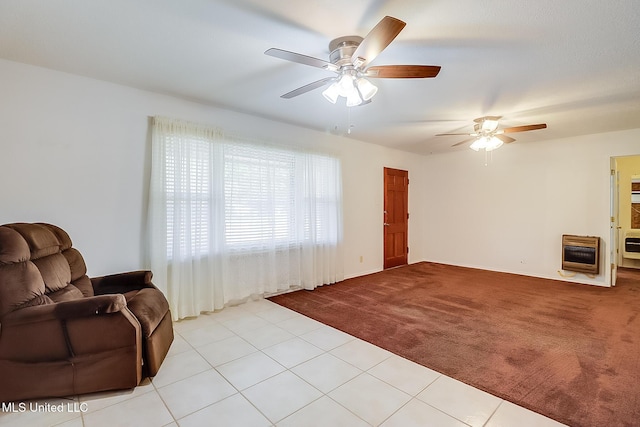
x: 255, y: 195
x: 229, y: 220
x: 188, y: 195
x: 259, y: 196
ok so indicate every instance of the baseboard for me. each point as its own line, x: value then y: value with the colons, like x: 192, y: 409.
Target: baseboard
x: 574, y: 279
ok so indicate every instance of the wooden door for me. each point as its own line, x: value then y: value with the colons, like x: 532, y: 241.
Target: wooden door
x: 396, y: 217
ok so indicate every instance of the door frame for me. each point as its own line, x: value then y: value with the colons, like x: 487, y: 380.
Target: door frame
x: 614, y: 224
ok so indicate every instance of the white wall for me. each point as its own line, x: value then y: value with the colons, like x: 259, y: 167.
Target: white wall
x: 510, y: 215
x: 75, y: 152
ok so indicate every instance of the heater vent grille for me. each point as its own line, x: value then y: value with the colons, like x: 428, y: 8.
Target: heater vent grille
x: 581, y: 253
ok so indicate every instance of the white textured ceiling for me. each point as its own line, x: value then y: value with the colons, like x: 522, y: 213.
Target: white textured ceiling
x: 573, y: 64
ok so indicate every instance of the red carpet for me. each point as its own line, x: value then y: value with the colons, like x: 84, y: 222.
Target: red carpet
x: 568, y: 351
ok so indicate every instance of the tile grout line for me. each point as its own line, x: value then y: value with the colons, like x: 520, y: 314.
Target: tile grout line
x: 323, y: 394
x: 494, y: 412
x: 324, y: 351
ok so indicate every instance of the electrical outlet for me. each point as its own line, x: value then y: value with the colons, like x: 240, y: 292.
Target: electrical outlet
x: 361, y: 258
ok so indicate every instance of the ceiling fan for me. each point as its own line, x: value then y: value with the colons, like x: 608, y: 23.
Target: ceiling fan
x: 487, y: 136
x: 349, y: 59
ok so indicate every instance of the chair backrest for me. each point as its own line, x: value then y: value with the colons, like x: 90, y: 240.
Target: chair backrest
x: 39, y: 266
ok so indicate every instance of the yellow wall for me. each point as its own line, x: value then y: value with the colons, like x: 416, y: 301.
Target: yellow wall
x: 627, y: 166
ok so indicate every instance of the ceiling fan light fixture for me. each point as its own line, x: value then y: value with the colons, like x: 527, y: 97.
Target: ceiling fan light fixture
x: 478, y: 143
x: 487, y: 143
x: 353, y: 98
x: 355, y: 89
x: 488, y: 136
x: 492, y: 143
x: 345, y: 84
x: 366, y: 88
x: 332, y: 92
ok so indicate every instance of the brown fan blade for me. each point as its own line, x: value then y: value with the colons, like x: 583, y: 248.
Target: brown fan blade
x: 504, y: 138
x: 377, y: 40
x: 403, y: 71
x: 301, y: 59
x: 447, y: 134
x: 482, y: 119
x: 524, y: 128
x: 463, y: 142
x: 307, y: 88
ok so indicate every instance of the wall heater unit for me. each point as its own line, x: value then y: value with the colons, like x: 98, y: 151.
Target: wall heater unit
x: 631, y: 244
x: 581, y: 253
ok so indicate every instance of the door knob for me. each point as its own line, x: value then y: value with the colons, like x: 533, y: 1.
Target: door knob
x: 385, y: 224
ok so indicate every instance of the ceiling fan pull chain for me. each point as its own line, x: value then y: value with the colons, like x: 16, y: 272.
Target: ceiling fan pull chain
x: 488, y: 157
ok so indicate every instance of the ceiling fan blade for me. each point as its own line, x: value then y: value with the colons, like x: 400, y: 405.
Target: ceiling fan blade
x: 300, y: 59
x: 463, y: 142
x: 403, y: 71
x: 377, y: 40
x: 447, y: 134
x: 307, y: 88
x: 524, y: 128
x: 504, y: 138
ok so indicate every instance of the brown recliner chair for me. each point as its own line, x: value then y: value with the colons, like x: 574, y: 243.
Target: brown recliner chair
x: 63, y: 334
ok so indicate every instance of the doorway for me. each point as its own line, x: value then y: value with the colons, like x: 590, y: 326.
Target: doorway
x: 625, y: 211
x: 625, y: 171
x: 396, y: 217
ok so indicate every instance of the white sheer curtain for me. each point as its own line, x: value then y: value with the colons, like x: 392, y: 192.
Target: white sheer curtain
x: 228, y: 220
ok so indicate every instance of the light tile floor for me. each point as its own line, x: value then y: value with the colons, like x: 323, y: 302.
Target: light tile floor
x: 260, y: 364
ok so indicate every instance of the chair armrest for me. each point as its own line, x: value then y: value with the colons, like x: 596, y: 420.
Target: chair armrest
x: 84, y: 307
x: 122, y: 282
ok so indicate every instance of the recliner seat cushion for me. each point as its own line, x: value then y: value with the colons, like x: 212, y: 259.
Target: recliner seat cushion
x: 68, y: 293
x: 149, y: 306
